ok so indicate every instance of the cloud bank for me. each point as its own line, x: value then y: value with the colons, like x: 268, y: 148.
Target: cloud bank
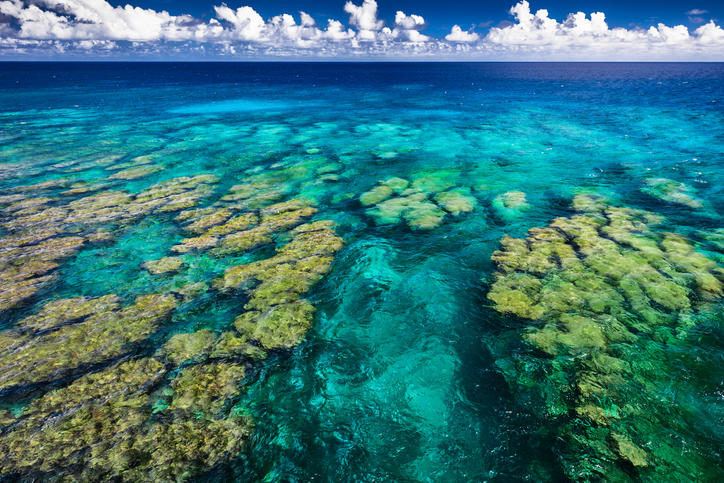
x: 95, y: 28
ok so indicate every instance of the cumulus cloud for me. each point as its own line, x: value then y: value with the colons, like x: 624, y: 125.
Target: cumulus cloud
x: 457, y: 34
x: 246, y: 23
x: 51, y: 26
x: 581, y: 37
x: 364, y: 17
x: 407, y: 27
x: 93, y: 19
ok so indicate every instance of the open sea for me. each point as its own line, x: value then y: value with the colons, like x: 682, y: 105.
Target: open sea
x: 367, y: 272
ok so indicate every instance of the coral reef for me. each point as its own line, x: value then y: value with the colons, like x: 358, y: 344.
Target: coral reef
x: 163, y: 265
x: 396, y: 199
x: 671, y: 191
x: 42, y: 231
x: 206, y: 387
x: 278, y: 317
x: 136, y: 172
x: 456, y: 201
x: 376, y: 195
x: 116, y: 387
x: 190, y: 346
x: 613, y: 298
x: 33, y: 354
x: 243, y: 232
x: 104, y: 425
x: 511, y: 204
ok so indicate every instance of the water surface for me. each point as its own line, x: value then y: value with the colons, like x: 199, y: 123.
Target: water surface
x: 402, y: 375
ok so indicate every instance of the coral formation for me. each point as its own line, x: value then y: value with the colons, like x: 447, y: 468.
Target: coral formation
x: 396, y: 199
x: 278, y: 317
x: 244, y: 232
x: 104, y: 426
x: 672, y: 191
x: 456, y: 201
x: 510, y: 204
x: 612, y: 297
x: 376, y: 195
x: 136, y: 172
x: 190, y: 346
x: 206, y: 387
x: 30, y: 354
x: 42, y: 231
x: 163, y: 265
x: 114, y: 391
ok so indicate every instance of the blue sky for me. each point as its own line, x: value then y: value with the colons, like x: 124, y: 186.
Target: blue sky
x: 548, y: 30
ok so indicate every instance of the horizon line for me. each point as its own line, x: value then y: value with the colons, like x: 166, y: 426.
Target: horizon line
x: 348, y: 61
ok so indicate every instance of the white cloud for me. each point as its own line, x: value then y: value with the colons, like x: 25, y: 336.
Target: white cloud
x: 364, y: 17
x: 710, y: 34
x: 247, y: 24
x: 97, y: 44
x: 409, y: 22
x: 696, y: 11
x: 46, y: 26
x: 407, y: 27
x: 579, y: 37
x: 335, y: 31
x: 458, y: 35
x: 93, y: 19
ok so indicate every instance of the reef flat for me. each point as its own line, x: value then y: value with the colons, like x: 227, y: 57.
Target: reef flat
x: 271, y: 272
x: 138, y: 415
x: 614, y: 303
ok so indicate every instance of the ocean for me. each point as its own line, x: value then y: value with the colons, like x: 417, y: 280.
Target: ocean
x: 362, y: 271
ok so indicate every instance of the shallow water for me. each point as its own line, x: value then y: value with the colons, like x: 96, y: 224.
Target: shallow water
x: 402, y: 375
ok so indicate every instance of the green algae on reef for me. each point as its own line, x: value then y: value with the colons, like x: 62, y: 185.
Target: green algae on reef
x: 117, y: 414
x: 671, y: 191
x: 510, y: 204
x: 613, y: 300
x: 396, y: 199
x: 42, y: 230
x: 163, y: 265
x: 102, y: 426
x: 78, y: 340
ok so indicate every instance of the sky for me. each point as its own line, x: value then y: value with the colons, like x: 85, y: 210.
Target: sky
x: 548, y: 30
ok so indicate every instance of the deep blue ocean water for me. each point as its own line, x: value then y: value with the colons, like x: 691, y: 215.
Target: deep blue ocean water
x: 399, y: 377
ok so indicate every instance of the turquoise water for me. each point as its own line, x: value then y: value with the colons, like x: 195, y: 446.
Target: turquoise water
x: 404, y: 372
